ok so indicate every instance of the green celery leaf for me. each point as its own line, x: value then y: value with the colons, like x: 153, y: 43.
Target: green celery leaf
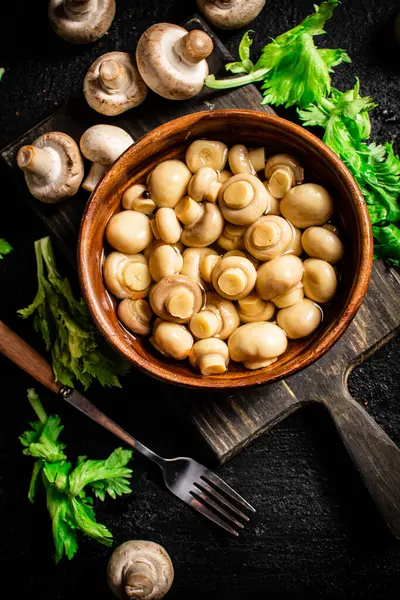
x: 57, y: 474
x: 2, y: 71
x: 90, y: 471
x: 5, y: 247
x: 37, y: 467
x: 388, y: 242
x: 245, y: 65
x: 85, y: 520
x: 63, y: 523
x: 47, y: 446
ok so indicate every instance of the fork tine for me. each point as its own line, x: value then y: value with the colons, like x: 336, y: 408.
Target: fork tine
x: 204, y: 497
x: 221, y: 499
x: 214, y: 481
x: 204, y: 510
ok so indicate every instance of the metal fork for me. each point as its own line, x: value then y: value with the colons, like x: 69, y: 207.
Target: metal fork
x: 187, y: 479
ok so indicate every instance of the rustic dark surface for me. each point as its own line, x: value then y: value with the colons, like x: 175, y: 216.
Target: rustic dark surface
x: 316, y: 531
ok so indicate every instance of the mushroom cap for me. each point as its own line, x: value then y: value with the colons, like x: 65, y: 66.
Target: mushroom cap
x: 66, y: 167
x: 307, y: 204
x: 295, y: 246
x: 166, y: 226
x: 239, y: 160
x: 103, y: 144
x: 243, y: 199
x: 278, y: 276
x: 126, y: 276
x: 291, y: 297
x: 210, y: 355
x: 165, y: 260
x: 135, y: 315
x: 206, y: 229
x: 206, y: 153
x: 168, y: 182
x: 81, y: 27
x: 176, y: 298
x: 231, y: 237
x: 319, y: 280
x: 192, y: 262
x: 234, y: 277
x: 252, y: 308
x: 268, y: 237
x: 284, y: 160
x: 300, y: 319
x: 230, y: 14
x: 320, y: 242
x: 204, y: 185
x: 255, y: 344
x: 129, y: 94
x: 140, y: 551
x: 129, y: 231
x: 163, y: 69
x: 171, y: 339
x: 224, y: 310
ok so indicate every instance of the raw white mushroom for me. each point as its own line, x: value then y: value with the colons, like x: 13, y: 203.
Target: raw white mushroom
x: 81, y: 21
x: 230, y: 14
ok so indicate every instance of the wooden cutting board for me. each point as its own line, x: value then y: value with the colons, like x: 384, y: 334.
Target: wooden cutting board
x: 225, y: 422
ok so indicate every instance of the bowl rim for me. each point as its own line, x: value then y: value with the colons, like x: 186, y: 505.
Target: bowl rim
x: 337, y: 329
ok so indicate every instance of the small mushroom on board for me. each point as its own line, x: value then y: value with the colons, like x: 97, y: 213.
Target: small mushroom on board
x: 230, y: 14
x: 81, y: 21
x: 172, y: 61
x: 176, y: 298
x: 102, y: 144
x: 140, y: 569
x: 210, y: 356
x: 257, y: 344
x: 135, y: 315
x: 52, y: 166
x: 171, y: 339
x: 113, y: 84
x: 243, y: 199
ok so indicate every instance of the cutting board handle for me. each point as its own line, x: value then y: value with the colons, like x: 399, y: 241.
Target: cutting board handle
x: 375, y: 455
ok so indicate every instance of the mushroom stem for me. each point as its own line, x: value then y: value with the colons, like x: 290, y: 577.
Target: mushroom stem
x: 113, y: 76
x: 96, y: 172
x: 139, y: 579
x: 193, y: 47
x: 35, y: 161
x: 79, y: 7
x: 212, y: 364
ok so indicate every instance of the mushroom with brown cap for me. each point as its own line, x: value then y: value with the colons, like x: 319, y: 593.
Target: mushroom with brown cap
x: 257, y: 344
x: 193, y: 263
x: 219, y: 318
x: 165, y: 260
x: 140, y: 569
x: 320, y: 242
x: 278, y: 276
x: 204, y: 185
x: 291, y: 297
x: 306, y: 205
x: 135, y: 315
x: 210, y: 356
x: 230, y: 14
x: 171, y: 339
x: 234, y: 277
x: 206, y: 153
x: 52, y: 166
x: 252, y: 308
x: 102, y: 144
x: 127, y: 276
x: 176, y: 298
x: 172, y: 61
x: 129, y: 231
x: 168, y: 182
x: 113, y: 84
x: 81, y: 21
x: 165, y: 226
x: 239, y: 160
x: 319, y: 280
x: 300, y: 319
x: 231, y: 237
x: 243, y: 199
x: 205, y: 228
x: 268, y: 237
x: 138, y: 198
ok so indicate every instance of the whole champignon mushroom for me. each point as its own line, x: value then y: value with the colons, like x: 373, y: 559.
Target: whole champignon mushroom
x: 129, y: 231
x: 81, y: 21
x: 268, y: 237
x: 113, y: 84
x: 306, y: 205
x: 300, y: 319
x: 257, y: 158
x: 205, y: 228
x: 52, y: 166
x: 172, y: 61
x: 127, y: 276
x: 138, y: 198
x: 140, y: 569
x: 257, y: 344
x: 168, y: 183
x: 230, y: 14
x: 291, y: 297
x: 135, y: 315
x: 165, y: 226
x: 320, y: 242
x: 319, y: 280
x: 176, y: 298
x: 243, y: 199
x: 204, y: 185
x: 234, y: 277
x: 278, y: 276
x: 193, y: 263
x: 218, y: 319
x: 210, y: 356
x: 171, y: 339
x: 102, y: 144
x: 239, y: 160
x: 231, y: 237
x: 252, y: 308
x: 165, y: 260
x: 206, y: 153
x: 277, y: 161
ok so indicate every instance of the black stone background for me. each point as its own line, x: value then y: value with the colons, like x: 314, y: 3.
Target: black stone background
x: 316, y: 531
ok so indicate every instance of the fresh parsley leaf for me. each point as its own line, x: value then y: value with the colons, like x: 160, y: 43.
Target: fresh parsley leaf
x: 102, y: 472
x: 5, y: 247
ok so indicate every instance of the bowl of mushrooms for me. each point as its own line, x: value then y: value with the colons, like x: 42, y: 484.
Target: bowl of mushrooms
x: 225, y: 249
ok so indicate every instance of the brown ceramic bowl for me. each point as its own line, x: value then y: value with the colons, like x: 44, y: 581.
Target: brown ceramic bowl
x: 253, y: 129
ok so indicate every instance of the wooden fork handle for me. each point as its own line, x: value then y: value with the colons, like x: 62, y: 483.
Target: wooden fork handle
x: 375, y: 455
x: 20, y: 353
